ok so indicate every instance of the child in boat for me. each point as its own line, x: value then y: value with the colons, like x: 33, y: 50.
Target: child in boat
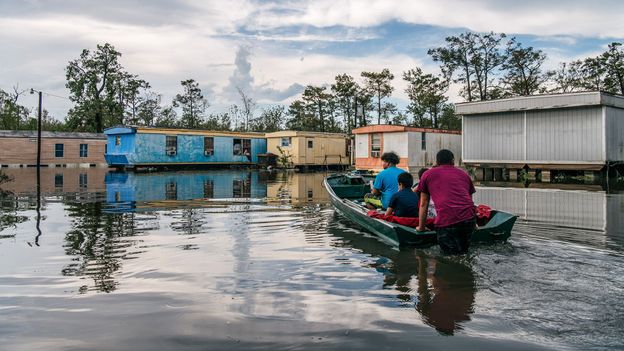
x: 404, y: 203
x: 431, y: 212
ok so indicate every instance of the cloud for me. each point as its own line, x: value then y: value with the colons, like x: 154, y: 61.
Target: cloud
x: 243, y: 79
x: 573, y: 17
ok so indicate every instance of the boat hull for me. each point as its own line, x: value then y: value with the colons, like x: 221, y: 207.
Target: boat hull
x: 497, y: 229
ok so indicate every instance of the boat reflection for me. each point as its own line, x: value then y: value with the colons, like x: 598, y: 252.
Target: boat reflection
x: 441, y: 289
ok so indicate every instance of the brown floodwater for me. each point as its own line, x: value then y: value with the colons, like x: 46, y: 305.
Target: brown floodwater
x: 237, y: 259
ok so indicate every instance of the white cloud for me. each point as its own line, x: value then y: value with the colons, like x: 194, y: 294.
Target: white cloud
x: 574, y: 17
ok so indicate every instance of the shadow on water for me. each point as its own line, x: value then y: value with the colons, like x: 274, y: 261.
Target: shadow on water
x: 445, y: 287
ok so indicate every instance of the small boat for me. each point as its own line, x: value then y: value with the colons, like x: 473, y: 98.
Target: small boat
x: 346, y: 192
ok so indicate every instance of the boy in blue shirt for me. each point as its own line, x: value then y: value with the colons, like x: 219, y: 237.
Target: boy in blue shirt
x: 404, y: 203
x: 386, y: 181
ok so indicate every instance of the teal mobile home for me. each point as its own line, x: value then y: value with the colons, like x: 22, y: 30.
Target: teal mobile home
x: 133, y: 147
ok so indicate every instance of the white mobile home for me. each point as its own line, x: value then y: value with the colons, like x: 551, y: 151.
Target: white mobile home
x: 574, y: 131
x: 417, y: 147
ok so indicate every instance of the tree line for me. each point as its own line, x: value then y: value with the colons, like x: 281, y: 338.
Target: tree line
x: 484, y: 65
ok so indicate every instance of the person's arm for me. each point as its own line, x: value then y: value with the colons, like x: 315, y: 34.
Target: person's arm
x: 422, y: 212
x: 376, y: 192
x: 389, y: 211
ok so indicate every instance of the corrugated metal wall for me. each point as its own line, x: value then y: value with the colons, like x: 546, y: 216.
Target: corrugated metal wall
x: 560, y: 135
x: 615, y: 134
x: 495, y: 137
x: 573, y: 135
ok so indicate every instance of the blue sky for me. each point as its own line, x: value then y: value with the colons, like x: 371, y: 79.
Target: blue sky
x: 271, y: 49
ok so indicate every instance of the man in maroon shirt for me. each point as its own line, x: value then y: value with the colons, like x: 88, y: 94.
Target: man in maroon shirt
x: 451, y: 190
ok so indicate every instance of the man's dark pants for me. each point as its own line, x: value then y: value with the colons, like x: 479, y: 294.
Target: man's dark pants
x: 455, y: 239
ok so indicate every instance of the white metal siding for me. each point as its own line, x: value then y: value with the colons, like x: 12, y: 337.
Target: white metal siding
x: 615, y: 134
x: 495, y: 137
x: 361, y: 145
x: 526, y: 103
x: 395, y: 142
x: 565, y: 135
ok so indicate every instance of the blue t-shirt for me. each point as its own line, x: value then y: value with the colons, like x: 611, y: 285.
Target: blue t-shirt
x: 405, y: 203
x: 387, y: 183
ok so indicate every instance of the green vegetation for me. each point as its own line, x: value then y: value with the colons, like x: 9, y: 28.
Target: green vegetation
x: 284, y: 160
x: 485, y: 65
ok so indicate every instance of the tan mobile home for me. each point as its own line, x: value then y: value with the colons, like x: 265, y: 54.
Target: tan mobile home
x: 311, y: 149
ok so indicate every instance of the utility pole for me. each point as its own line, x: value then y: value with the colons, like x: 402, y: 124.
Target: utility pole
x: 32, y: 91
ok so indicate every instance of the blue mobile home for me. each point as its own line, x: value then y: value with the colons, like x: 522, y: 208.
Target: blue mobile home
x: 131, y: 147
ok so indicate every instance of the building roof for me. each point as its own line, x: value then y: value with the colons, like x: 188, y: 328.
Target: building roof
x: 392, y: 128
x: 299, y: 133
x: 178, y: 131
x: 541, y: 102
x: 46, y: 134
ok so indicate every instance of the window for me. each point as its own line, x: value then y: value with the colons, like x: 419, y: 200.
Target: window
x: 238, y: 147
x: 423, y: 137
x: 375, y: 145
x: 208, y: 189
x: 117, y: 140
x: 247, y: 148
x: 171, y: 190
x: 310, y: 144
x: 83, y: 181
x: 58, y: 150
x: 286, y: 141
x: 241, y: 188
x: 84, y: 150
x: 172, y: 145
x: 208, y: 146
x: 58, y: 181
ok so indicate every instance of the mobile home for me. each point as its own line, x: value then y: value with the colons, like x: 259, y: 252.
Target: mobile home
x: 133, y: 147
x: 311, y: 149
x: 417, y: 147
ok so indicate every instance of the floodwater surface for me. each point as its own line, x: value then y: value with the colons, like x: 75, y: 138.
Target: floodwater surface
x: 256, y: 260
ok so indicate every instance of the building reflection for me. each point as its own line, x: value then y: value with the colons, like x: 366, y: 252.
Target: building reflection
x: 127, y: 192
x: 298, y: 188
x: 589, y: 217
x: 441, y: 289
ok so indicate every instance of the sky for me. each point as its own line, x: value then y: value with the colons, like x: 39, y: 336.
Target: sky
x: 272, y: 49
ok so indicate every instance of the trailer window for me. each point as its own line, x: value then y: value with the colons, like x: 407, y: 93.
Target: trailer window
x: 84, y: 150
x: 423, y: 144
x: 286, y: 141
x: 58, y: 150
x: 118, y: 140
x: 171, y: 144
x: 208, y: 146
x: 375, y: 145
x: 237, y: 147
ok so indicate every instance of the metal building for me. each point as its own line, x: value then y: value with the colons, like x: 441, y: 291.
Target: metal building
x: 574, y: 131
x: 417, y: 147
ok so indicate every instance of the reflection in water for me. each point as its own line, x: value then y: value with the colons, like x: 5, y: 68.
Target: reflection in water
x: 446, y: 288
x: 591, y: 218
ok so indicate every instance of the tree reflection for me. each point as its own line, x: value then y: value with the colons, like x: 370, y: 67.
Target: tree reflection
x: 10, y: 206
x: 445, y: 287
x: 96, y: 241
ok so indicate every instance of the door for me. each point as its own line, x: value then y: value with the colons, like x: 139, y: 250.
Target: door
x: 309, y: 153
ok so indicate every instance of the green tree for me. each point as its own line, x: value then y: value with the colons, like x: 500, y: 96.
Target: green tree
x: 167, y: 118
x: 565, y: 78
x: 378, y: 83
x: 471, y: 59
x: 613, y: 62
x: 92, y: 81
x: 270, y: 120
x: 522, y: 67
x: 13, y: 116
x: 300, y: 118
x: 345, y: 90
x: 427, y: 97
x: 317, y: 102
x: 193, y: 104
x: 219, y: 121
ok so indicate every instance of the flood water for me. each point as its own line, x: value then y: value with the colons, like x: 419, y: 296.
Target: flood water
x: 219, y: 260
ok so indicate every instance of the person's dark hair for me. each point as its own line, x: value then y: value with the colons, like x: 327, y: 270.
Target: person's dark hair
x: 406, y: 180
x: 421, y: 172
x: 445, y: 157
x: 391, y: 157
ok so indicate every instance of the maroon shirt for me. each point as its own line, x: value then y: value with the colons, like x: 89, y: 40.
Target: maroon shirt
x: 451, y: 190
